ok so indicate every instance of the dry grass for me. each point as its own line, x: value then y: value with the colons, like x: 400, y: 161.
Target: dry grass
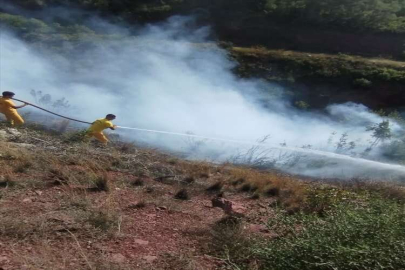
x: 102, y: 216
x: 196, y: 170
x: 69, y: 254
x: 183, y: 262
x: 290, y: 192
x: 100, y: 183
x: 20, y: 228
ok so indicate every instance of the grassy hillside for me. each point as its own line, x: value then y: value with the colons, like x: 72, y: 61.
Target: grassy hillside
x: 372, y: 15
x: 67, y: 204
x: 71, y: 205
x: 367, y: 27
x: 322, y: 79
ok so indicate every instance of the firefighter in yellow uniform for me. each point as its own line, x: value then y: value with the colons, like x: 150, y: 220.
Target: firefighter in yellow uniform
x: 97, y: 127
x: 8, y: 108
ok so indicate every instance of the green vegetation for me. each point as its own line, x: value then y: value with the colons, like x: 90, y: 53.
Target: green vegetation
x: 141, y: 9
x: 364, y: 83
x: 351, y: 236
x: 359, y: 230
x: 344, y: 78
x: 51, y: 35
x: 360, y: 70
x: 376, y: 15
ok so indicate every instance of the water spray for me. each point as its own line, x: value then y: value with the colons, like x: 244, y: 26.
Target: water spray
x: 368, y: 163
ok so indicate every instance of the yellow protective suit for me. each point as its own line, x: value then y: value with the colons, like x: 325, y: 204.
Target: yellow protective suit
x: 96, y: 129
x: 12, y: 116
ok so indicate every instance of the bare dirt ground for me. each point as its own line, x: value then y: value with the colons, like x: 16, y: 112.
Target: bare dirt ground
x: 78, y: 206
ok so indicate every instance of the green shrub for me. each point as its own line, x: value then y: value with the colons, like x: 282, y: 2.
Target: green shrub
x: 23, y: 24
x: 370, y: 236
x: 362, y: 83
x: 101, y: 219
x: 376, y: 15
x: 302, y: 105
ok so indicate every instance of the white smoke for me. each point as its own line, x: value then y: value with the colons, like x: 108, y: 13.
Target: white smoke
x: 167, y: 77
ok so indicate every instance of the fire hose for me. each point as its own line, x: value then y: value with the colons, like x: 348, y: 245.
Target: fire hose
x: 299, y: 150
x: 45, y: 110
x: 141, y: 129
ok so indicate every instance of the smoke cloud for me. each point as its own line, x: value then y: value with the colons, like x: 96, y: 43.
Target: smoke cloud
x: 169, y: 77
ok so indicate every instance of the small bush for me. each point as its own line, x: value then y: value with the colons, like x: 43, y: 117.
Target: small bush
x: 364, y: 83
x: 248, y: 188
x: 101, y: 183
x: 138, y: 205
x: 216, y: 187
x: 238, y: 181
x: 272, y: 192
x: 59, y: 175
x: 302, y: 105
x: 245, y: 188
x: 229, y: 241
x: 189, y: 180
x: 182, y: 195
x: 7, y: 182
x: 138, y: 183
x: 101, y: 220
x: 255, y: 196
x: 22, y: 167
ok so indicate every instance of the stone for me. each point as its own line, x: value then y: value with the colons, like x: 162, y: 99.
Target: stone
x: 23, y: 145
x: 149, y: 258
x: 238, y: 208
x: 258, y: 228
x: 225, y: 205
x: 4, y: 259
x: 141, y: 242
x: 118, y: 258
x: 3, y: 135
x: 13, y: 132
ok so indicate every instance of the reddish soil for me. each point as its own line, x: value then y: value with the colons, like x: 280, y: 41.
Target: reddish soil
x: 164, y: 233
